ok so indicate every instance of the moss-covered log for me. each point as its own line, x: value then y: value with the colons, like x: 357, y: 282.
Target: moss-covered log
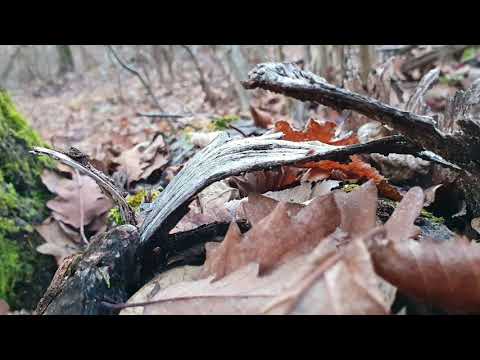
x: 24, y: 273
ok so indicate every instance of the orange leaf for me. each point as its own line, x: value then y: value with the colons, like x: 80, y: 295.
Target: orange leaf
x: 356, y: 169
x: 314, y: 132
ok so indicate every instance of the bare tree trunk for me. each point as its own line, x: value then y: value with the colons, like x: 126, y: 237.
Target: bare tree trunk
x: 10, y: 64
x: 279, y: 54
x: 209, y: 95
x: 366, y: 63
x: 339, y: 63
x: 169, y: 56
x: 158, y: 57
x: 65, y: 59
x: 88, y: 60
x: 239, y: 67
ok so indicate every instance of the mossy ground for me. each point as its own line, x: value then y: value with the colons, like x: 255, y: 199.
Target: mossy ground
x: 24, y: 273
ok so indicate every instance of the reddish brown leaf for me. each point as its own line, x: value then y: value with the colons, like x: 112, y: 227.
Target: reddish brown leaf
x: 356, y: 169
x: 290, y: 230
x: 314, y: 132
x: 445, y: 274
x: 318, y: 283
x: 71, y: 194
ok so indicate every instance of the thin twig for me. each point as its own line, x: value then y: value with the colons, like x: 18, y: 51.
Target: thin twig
x: 101, y: 179
x: 82, y: 207
x: 238, y: 130
x: 137, y: 74
x: 163, y: 115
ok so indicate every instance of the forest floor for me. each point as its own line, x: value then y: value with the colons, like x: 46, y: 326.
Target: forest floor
x: 97, y: 112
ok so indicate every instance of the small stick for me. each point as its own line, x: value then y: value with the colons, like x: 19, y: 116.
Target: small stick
x: 82, y: 206
x: 100, y: 178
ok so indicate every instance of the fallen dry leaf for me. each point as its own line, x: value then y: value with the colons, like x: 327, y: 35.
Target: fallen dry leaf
x: 290, y: 230
x: 160, y: 282
x: 58, y: 243
x: 208, y: 207
x: 356, y: 169
x: 445, y: 274
x: 331, y: 283
x: 304, y: 192
x: 143, y: 159
x: 80, y: 191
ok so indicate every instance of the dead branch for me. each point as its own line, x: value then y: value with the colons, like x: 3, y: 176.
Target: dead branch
x: 101, y: 179
x: 453, y: 136
x: 226, y: 157
x: 432, y: 56
x: 163, y: 115
x: 135, y: 72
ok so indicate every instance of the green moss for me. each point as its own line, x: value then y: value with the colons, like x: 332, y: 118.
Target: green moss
x: 221, y: 123
x: 434, y: 219
x: 350, y: 187
x: 135, y: 201
x: 23, y: 272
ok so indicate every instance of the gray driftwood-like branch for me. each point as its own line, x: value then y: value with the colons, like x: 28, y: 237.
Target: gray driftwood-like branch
x: 226, y: 157
x: 101, y: 179
x: 432, y: 56
x: 454, y: 135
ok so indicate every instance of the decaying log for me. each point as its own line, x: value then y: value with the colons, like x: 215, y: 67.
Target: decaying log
x: 454, y: 135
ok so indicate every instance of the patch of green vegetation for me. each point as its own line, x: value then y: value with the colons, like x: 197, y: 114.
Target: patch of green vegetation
x: 222, y: 123
x: 135, y: 201
x: 350, y: 187
x: 429, y: 216
x: 451, y: 80
x: 22, y: 203
x: 469, y: 54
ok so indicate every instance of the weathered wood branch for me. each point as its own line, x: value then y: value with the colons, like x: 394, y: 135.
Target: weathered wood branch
x: 227, y: 157
x: 454, y: 136
x: 432, y: 56
x: 107, y: 185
